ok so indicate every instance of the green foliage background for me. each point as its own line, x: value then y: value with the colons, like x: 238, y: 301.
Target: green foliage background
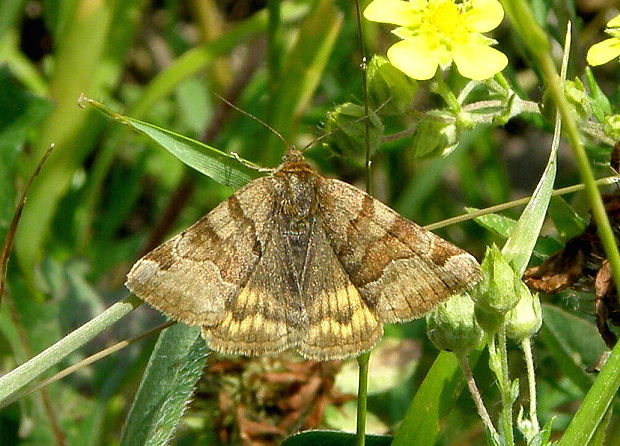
x: 107, y: 193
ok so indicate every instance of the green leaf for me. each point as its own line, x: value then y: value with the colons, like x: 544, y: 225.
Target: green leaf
x: 168, y: 382
x: 573, y: 343
x: 433, y: 401
x: 333, y: 438
x: 600, y: 104
x: 568, y: 223
x: 519, y: 246
x: 218, y: 165
x: 504, y: 226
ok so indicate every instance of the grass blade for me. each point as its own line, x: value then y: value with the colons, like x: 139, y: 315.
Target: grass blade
x: 592, y: 411
x: 31, y: 370
x: 220, y: 166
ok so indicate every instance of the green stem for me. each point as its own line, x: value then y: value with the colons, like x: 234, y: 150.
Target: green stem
x: 475, y: 393
x: 362, y: 398
x: 364, y: 67
x: 32, y: 369
x: 363, y: 359
x: 446, y: 93
x: 505, y: 389
x: 526, y: 345
x: 512, y: 204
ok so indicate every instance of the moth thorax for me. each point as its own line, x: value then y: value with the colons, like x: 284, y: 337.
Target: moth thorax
x: 298, y: 196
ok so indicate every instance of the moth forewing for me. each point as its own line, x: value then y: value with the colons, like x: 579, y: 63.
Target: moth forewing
x: 294, y: 260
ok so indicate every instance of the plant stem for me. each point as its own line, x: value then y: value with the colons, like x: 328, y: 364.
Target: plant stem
x: 363, y: 359
x: 505, y: 388
x: 511, y: 204
x: 364, y: 67
x: 475, y: 393
x: 446, y: 93
x: 32, y: 369
x: 362, y: 398
x: 526, y: 345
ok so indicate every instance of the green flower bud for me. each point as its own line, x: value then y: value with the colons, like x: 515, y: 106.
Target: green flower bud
x: 347, y: 133
x: 490, y: 321
x: 498, y: 290
x: 452, y: 326
x: 435, y: 137
x: 390, y: 91
x: 525, y: 319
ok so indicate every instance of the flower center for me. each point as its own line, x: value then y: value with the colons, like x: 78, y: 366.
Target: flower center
x: 442, y: 17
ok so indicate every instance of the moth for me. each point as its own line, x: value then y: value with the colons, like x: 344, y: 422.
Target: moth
x: 294, y: 260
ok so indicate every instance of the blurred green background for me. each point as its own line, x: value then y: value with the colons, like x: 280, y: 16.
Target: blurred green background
x: 107, y: 195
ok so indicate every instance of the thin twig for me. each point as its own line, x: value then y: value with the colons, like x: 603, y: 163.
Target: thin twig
x: 515, y: 203
x: 10, y: 235
x: 475, y: 393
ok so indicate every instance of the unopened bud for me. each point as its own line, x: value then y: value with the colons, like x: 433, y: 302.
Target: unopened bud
x: 525, y: 319
x: 498, y: 289
x: 346, y: 127
x: 453, y: 327
x: 390, y: 90
x: 489, y: 321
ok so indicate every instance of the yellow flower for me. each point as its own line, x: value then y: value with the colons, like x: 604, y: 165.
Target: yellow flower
x: 604, y: 51
x: 437, y: 32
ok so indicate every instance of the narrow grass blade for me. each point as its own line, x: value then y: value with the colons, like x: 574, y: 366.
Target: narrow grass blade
x: 31, y: 370
x: 218, y: 165
x: 595, y: 405
x: 167, y: 384
x: 519, y: 246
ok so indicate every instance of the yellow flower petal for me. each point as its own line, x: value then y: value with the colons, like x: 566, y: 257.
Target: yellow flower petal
x: 414, y: 57
x: 603, y: 52
x: 478, y: 62
x: 484, y: 15
x: 615, y: 22
x: 397, y: 12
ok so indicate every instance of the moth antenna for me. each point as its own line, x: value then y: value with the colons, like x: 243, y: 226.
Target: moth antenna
x: 260, y: 121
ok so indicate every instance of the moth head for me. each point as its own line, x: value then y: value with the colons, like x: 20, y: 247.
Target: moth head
x: 293, y: 156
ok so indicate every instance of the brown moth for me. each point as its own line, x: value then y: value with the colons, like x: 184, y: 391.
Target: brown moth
x: 295, y: 260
